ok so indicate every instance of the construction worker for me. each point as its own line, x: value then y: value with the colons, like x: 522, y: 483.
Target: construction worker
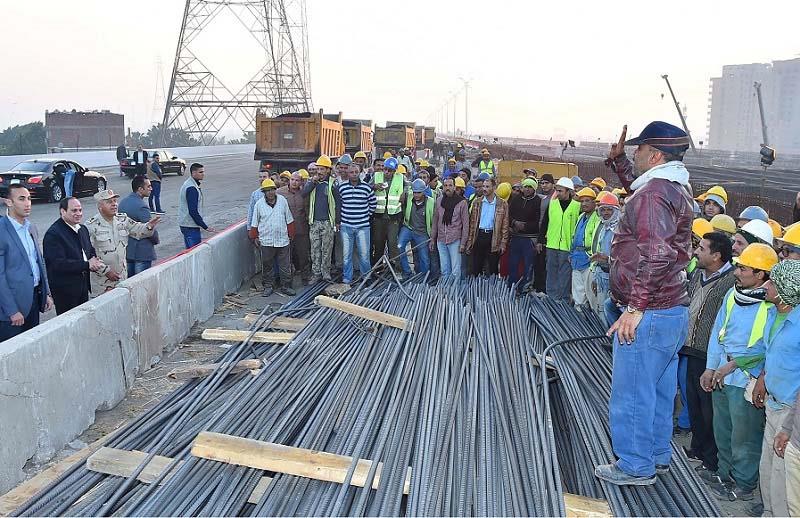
x: 360, y: 159
x: 787, y: 446
x: 356, y: 201
x: 754, y: 231
x: 700, y: 227
x: 300, y: 246
x: 650, y: 252
x: 460, y: 186
x: 488, y: 229
x: 621, y: 195
x: 750, y: 213
x: 789, y: 245
x: 609, y: 213
x: 714, y: 203
x: 389, y: 188
x: 416, y: 229
x: 484, y: 163
x: 504, y: 191
x: 273, y: 226
x: 450, y: 228
x: 580, y: 249
x: 723, y: 223
x: 777, y: 229
x: 475, y: 187
x: 597, y: 185
x: 524, y: 213
x: 707, y: 289
x: 546, y: 191
x: 736, y: 351
x: 321, y: 218
x: 556, y: 234
x: 284, y: 178
x: 450, y: 169
x: 405, y: 160
x: 779, y: 384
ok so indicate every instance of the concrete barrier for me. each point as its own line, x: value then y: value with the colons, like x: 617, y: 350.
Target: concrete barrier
x: 234, y: 258
x: 54, y: 377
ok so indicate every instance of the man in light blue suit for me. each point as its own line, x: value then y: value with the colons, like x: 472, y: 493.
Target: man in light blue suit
x: 24, y: 291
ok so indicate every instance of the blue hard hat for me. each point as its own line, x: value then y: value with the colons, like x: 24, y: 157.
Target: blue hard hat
x: 663, y: 136
x: 345, y: 159
x: 577, y: 181
x: 483, y: 176
x: 418, y: 185
x: 390, y: 164
x: 754, y: 212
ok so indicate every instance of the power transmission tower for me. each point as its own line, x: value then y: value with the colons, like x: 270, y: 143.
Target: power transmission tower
x: 200, y: 103
x: 159, y: 94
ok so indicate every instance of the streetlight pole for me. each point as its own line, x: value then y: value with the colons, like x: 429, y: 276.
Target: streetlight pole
x: 455, y: 98
x: 466, y: 104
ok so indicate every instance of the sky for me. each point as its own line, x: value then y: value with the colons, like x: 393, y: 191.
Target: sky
x: 577, y: 69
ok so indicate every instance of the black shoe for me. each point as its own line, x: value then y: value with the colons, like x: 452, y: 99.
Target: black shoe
x: 757, y: 509
x: 691, y: 455
x: 612, y: 474
x: 732, y: 492
x: 708, y: 475
x: 268, y: 291
x: 289, y: 292
x: 662, y: 469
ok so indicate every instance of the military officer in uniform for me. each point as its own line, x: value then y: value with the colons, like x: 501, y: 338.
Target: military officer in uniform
x: 109, y: 232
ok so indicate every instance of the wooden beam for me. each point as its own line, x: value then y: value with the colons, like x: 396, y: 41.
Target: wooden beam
x: 201, y: 371
x: 286, y: 459
x: 359, y: 311
x: 285, y: 323
x: 584, y: 507
x: 238, y: 336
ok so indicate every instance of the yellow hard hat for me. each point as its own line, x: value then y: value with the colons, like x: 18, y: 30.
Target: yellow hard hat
x: 451, y: 161
x: 460, y: 182
x: 700, y: 198
x: 619, y: 192
x: 719, y: 191
x: 701, y: 227
x: 401, y: 169
x: 267, y: 184
x: 587, y: 192
x: 504, y: 190
x: 777, y: 229
x: 387, y: 155
x: 324, y: 161
x: 759, y: 256
x: 286, y: 174
x: 599, y: 182
x: 424, y: 163
x: 360, y: 154
x: 791, y: 236
x: 724, y: 223
x: 303, y: 174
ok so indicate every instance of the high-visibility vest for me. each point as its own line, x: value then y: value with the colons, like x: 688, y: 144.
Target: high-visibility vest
x: 759, y: 324
x: 692, y: 266
x: 588, y: 233
x: 331, y: 203
x: 389, y: 201
x: 428, y: 211
x: 561, y: 224
x: 486, y: 167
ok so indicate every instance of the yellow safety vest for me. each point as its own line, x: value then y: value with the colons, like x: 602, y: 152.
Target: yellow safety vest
x: 428, y: 211
x: 389, y: 202
x: 561, y: 224
x: 486, y: 167
x: 331, y: 203
x: 757, y: 333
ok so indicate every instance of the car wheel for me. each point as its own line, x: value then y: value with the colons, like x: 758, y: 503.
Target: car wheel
x: 181, y: 170
x: 101, y: 185
x: 56, y: 193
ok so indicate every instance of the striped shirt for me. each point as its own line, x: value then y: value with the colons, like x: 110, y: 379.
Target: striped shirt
x: 358, y: 202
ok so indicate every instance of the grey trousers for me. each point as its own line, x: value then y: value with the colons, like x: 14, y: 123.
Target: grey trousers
x: 559, y: 275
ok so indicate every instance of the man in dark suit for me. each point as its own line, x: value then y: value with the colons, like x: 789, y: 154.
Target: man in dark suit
x: 140, y: 253
x: 69, y: 256
x: 24, y: 291
x: 122, y: 154
x: 141, y: 157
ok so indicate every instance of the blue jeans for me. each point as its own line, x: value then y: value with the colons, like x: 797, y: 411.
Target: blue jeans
x: 643, y: 385
x: 135, y: 267
x: 450, y: 259
x: 358, y: 236
x: 559, y: 275
x: 415, y: 238
x: 522, y: 251
x: 154, y: 200
x: 191, y: 236
x: 612, y: 312
x: 683, y: 417
x: 69, y: 180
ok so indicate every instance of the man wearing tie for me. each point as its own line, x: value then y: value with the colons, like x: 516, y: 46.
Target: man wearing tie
x: 24, y: 291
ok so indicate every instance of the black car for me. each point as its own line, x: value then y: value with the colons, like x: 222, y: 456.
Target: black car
x: 44, y: 178
x: 167, y: 159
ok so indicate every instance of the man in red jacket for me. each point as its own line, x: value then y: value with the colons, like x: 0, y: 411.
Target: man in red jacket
x: 649, y: 254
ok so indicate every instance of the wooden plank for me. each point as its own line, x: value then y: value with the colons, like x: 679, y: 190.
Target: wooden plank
x: 285, y: 459
x: 285, y: 323
x: 238, y: 336
x: 123, y: 463
x: 201, y: 371
x: 362, y: 312
x: 584, y: 507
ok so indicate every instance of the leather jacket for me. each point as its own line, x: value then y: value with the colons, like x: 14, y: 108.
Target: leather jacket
x: 650, y: 250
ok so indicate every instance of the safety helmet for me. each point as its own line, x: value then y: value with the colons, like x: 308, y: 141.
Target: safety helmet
x: 286, y: 174
x: 400, y: 169
x: 777, y: 229
x: 566, y: 183
x: 792, y: 236
x: 724, y: 223
x: 700, y: 198
x: 608, y: 199
x: 718, y: 190
x: 577, y: 181
x: 459, y: 182
x: 267, y: 184
x: 619, y: 192
x: 424, y: 163
x: 390, y: 163
x: 360, y: 154
x: 754, y: 212
x: 387, y: 155
x: 599, y: 182
x: 587, y: 192
x: 345, y: 159
x: 303, y: 174
x: 451, y: 160
x: 758, y: 229
x: 418, y: 185
x: 324, y: 161
x: 701, y: 227
x: 504, y: 190
x: 758, y: 256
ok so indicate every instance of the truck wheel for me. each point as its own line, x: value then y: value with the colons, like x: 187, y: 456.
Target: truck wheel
x: 181, y: 170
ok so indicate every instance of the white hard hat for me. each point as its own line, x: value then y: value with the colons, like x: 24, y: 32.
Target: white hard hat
x: 759, y: 229
x: 565, y: 182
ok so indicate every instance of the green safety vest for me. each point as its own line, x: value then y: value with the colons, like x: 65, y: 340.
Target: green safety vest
x: 692, y: 266
x: 486, y: 167
x: 428, y: 211
x: 588, y: 234
x: 561, y: 224
x: 757, y: 333
x: 331, y: 203
x: 389, y: 202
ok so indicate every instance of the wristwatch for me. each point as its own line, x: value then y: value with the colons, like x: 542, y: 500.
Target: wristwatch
x: 632, y: 310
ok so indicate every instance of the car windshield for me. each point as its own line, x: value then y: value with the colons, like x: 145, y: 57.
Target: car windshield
x: 38, y: 167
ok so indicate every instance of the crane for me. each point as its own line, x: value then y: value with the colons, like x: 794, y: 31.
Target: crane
x: 680, y: 112
x: 767, y: 153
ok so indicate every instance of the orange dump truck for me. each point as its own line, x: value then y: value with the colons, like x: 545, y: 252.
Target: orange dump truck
x: 358, y: 136
x: 291, y: 140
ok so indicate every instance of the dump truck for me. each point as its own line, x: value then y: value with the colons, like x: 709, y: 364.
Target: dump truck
x: 511, y: 170
x: 420, y: 134
x: 394, y: 137
x: 358, y: 136
x: 430, y: 136
x: 292, y: 140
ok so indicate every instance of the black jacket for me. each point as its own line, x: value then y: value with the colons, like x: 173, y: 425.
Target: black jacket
x: 526, y: 210
x: 63, y: 251
x: 122, y: 153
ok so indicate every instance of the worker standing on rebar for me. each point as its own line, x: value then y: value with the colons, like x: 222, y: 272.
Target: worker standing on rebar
x: 546, y: 190
x: 321, y: 218
x: 488, y: 230
x: 416, y: 229
x: 556, y: 233
x: 450, y: 228
x: 649, y: 255
x: 524, y: 211
x: 608, y: 210
x: 389, y: 188
x: 580, y: 251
